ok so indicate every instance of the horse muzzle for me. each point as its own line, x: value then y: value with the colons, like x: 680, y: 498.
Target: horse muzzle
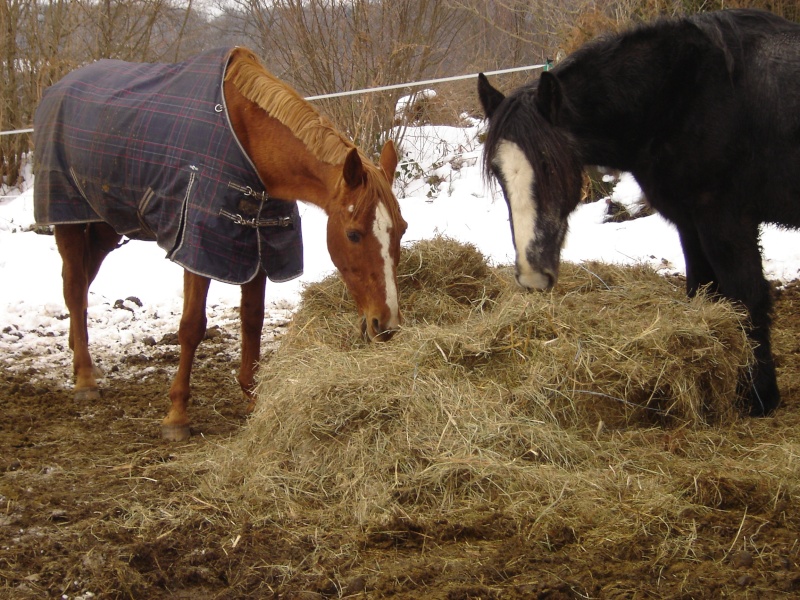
x: 375, y: 331
x: 537, y: 280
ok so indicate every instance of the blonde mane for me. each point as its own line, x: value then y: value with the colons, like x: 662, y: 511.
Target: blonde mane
x: 283, y: 103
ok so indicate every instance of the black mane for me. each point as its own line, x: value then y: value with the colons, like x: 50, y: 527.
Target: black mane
x: 558, y: 167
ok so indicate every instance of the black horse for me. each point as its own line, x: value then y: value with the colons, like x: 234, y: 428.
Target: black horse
x: 704, y: 112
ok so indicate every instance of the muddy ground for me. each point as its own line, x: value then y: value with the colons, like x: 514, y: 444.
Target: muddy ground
x: 82, y: 486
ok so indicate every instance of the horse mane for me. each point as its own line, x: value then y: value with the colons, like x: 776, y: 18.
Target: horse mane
x: 727, y: 30
x: 559, y: 160
x: 316, y: 131
x: 287, y: 106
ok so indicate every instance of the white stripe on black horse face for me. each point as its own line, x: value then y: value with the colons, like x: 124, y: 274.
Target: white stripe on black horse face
x: 538, y: 231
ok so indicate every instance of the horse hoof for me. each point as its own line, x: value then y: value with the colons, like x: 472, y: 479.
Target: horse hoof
x: 175, y: 433
x: 87, y: 394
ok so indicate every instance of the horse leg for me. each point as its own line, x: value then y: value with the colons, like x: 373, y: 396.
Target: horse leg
x: 192, y: 329
x: 102, y: 240
x: 699, y: 272
x: 736, y: 260
x: 82, y: 248
x: 252, y: 317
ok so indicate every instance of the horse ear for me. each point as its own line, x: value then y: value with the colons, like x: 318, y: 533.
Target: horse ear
x: 389, y: 160
x: 490, y: 97
x: 353, y: 173
x: 549, y: 96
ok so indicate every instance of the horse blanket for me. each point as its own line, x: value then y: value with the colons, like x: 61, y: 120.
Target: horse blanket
x: 149, y: 149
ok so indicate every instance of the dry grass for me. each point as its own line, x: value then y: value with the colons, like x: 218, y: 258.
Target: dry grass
x: 556, y: 408
x: 504, y: 445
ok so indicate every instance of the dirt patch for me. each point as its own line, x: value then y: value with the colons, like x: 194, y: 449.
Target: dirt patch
x: 94, y: 505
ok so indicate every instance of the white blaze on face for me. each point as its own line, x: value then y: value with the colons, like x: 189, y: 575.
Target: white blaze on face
x: 381, y: 227
x: 517, y: 175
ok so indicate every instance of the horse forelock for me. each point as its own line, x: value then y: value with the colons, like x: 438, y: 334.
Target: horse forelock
x: 552, y: 155
x: 283, y: 103
x: 376, y: 189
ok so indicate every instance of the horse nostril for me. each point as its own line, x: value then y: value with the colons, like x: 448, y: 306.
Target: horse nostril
x: 381, y: 332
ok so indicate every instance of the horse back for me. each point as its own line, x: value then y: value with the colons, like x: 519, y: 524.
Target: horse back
x: 148, y: 148
x: 107, y: 132
x: 704, y: 106
x: 759, y: 124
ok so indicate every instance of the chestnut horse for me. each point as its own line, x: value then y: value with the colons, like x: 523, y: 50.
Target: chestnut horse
x: 288, y: 148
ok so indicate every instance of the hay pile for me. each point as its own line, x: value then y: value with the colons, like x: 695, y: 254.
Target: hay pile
x: 489, y: 396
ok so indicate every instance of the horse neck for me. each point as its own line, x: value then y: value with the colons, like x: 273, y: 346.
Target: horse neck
x: 640, y: 79
x: 284, y: 163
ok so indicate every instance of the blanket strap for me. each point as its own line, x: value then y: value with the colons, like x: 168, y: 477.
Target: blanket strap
x: 248, y: 191
x: 255, y: 222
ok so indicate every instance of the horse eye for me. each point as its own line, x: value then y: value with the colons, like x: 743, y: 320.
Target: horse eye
x: 354, y: 236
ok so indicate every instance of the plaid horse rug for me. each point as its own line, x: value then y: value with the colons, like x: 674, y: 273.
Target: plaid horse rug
x: 149, y: 149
